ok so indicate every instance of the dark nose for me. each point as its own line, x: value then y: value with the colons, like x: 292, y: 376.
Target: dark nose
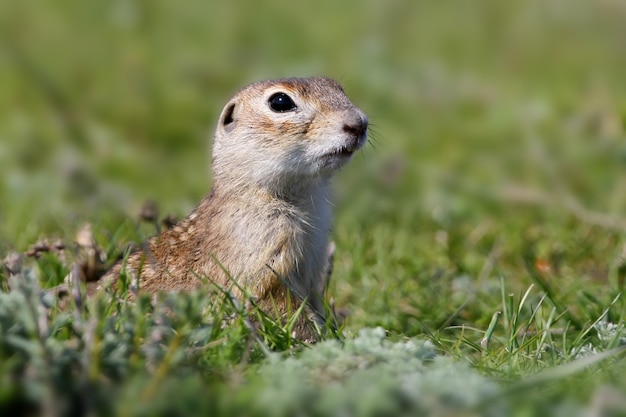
x: 356, y: 127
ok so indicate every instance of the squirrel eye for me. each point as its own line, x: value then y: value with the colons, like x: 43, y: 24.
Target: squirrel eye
x: 281, y: 102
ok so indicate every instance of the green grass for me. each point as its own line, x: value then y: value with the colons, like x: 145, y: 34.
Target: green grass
x: 483, y: 227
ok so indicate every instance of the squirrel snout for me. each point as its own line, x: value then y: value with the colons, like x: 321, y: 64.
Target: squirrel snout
x: 357, y: 126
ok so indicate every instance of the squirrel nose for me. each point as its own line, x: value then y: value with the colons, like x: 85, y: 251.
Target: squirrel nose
x: 358, y: 126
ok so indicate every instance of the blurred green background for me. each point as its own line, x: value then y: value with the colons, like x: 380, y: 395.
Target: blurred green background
x: 494, y: 125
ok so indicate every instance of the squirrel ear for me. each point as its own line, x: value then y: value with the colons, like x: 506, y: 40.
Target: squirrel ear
x: 228, y: 120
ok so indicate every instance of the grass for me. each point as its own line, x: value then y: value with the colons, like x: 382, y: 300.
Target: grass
x: 482, y: 228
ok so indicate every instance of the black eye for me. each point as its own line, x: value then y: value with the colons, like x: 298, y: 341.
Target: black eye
x: 281, y: 102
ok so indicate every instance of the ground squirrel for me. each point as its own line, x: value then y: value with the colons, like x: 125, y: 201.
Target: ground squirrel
x: 268, y: 216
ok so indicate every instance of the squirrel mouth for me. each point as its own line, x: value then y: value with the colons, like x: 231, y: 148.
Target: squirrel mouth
x: 347, y: 150
x: 338, y: 157
x: 344, y: 151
